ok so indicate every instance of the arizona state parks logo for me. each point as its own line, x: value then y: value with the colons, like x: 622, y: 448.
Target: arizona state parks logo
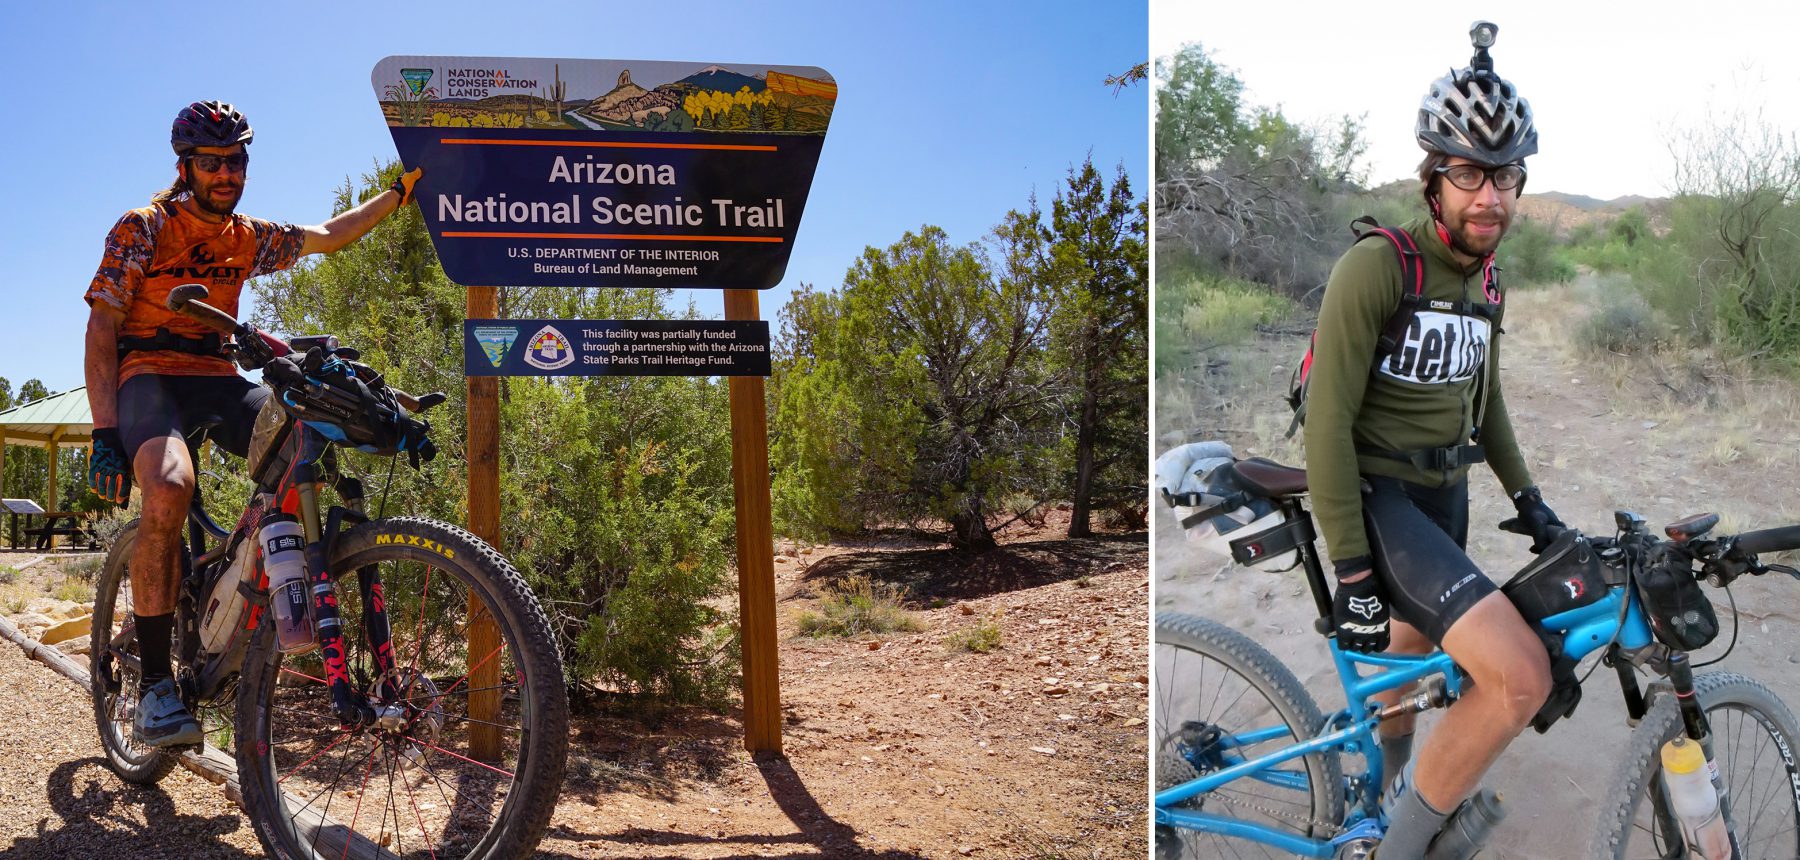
x: 549, y: 350
x: 415, y: 540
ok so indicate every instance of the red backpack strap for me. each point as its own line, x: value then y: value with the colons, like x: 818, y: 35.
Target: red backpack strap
x: 1412, y: 280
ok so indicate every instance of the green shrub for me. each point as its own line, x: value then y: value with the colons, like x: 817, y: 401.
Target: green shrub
x: 1621, y: 322
x: 855, y: 606
x: 74, y: 590
x: 85, y: 568
x: 1197, y: 311
x: 979, y: 639
x: 1531, y: 255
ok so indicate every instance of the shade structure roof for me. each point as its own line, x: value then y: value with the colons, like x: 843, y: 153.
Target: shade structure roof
x: 63, y: 417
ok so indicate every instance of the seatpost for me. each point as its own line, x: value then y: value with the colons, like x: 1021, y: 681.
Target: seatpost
x: 1309, y: 557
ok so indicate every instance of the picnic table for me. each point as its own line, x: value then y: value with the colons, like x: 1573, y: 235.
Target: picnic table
x: 44, y: 536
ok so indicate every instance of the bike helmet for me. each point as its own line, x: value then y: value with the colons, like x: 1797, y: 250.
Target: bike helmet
x: 1195, y: 482
x: 1476, y: 114
x: 212, y: 123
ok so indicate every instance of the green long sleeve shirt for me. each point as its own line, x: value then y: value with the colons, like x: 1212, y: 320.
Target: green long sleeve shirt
x: 1423, y: 396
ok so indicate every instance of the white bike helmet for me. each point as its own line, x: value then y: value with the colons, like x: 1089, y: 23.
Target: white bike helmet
x: 1192, y: 480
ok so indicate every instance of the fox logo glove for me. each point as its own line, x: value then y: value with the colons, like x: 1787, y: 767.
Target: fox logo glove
x: 1359, y: 614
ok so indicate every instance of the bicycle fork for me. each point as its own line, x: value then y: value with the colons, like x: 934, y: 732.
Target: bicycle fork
x: 1696, y: 729
x: 352, y: 710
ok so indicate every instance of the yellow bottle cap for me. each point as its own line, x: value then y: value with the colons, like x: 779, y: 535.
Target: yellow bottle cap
x: 1682, y: 756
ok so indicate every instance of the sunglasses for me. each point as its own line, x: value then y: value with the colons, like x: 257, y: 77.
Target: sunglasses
x: 207, y: 163
x: 1470, y: 177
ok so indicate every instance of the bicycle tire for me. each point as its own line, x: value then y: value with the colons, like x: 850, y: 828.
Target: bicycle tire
x: 132, y: 762
x: 1323, y: 803
x: 538, y: 758
x: 1765, y: 809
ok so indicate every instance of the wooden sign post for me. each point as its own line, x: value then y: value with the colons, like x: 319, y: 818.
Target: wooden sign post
x: 755, y: 547
x: 484, y: 522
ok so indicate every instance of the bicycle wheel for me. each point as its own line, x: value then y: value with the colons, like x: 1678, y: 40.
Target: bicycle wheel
x: 1754, y: 742
x: 112, y: 682
x: 435, y: 780
x: 1213, y: 685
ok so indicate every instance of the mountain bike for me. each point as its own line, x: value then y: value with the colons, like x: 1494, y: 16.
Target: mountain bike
x: 1245, y: 761
x: 400, y: 727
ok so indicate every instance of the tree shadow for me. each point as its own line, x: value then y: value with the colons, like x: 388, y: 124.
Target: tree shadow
x: 92, y: 806
x: 820, y: 835
x: 956, y: 575
x: 610, y: 754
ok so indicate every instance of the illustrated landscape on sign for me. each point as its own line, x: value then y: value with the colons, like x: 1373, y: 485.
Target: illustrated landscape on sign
x: 710, y: 99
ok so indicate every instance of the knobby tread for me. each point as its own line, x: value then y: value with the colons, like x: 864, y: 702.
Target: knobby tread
x: 1640, y: 761
x: 151, y: 769
x: 490, y: 575
x: 1275, y: 682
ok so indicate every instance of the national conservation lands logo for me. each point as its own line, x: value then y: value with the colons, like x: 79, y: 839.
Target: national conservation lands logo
x: 496, y: 341
x: 416, y: 79
x: 549, y: 350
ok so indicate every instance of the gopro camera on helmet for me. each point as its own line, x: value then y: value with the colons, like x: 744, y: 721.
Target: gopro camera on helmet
x: 1481, y: 35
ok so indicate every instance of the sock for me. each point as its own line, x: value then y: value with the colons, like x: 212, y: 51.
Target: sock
x: 1412, y: 824
x: 1395, y: 753
x: 153, y: 632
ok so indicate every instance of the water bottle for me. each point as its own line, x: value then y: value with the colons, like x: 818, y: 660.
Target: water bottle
x: 1696, y: 803
x: 224, y: 611
x: 284, y: 560
x: 1468, y: 827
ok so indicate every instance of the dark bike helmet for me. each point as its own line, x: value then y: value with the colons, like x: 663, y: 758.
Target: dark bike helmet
x: 213, y: 123
x: 1476, y: 114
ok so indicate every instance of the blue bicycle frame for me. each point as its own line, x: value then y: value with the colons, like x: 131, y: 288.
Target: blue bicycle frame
x: 1617, y: 618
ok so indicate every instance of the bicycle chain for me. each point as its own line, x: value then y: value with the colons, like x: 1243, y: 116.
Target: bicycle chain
x: 1172, y: 762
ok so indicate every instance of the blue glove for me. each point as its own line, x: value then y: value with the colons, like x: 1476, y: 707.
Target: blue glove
x: 109, y: 472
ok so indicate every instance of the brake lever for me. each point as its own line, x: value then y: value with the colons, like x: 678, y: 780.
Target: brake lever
x: 1777, y: 568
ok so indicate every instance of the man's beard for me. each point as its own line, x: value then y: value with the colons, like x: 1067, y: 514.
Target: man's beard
x: 203, y: 197
x: 1467, y: 241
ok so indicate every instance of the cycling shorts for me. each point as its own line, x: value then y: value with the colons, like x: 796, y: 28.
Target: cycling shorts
x: 1417, y: 536
x: 153, y: 405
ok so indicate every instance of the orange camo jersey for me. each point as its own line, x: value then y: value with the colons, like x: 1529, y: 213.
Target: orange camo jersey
x: 153, y: 250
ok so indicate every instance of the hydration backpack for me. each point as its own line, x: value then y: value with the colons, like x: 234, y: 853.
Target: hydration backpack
x: 1393, y: 332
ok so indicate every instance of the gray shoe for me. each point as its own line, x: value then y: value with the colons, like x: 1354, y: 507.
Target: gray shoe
x: 163, y: 721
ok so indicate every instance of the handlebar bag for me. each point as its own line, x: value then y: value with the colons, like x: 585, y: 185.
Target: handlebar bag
x: 1676, y: 608
x: 1566, y: 575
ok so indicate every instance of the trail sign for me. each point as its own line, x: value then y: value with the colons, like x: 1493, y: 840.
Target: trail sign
x: 608, y: 173
x: 615, y: 348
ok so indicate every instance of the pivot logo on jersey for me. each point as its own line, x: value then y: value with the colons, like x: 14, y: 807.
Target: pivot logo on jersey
x: 549, y: 350
x: 1440, y: 348
x: 200, y: 255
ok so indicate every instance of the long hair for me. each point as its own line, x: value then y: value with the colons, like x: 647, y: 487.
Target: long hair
x: 175, y: 189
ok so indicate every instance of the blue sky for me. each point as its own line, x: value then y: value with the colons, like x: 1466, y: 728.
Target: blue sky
x: 949, y: 114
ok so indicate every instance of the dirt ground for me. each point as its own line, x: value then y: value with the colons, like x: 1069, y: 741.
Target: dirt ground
x: 895, y: 746
x: 1664, y: 435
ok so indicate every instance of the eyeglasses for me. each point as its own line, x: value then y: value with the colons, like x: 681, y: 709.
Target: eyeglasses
x: 208, y: 163
x: 1470, y: 177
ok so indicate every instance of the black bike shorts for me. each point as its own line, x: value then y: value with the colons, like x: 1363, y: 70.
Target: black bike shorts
x: 1417, y: 536
x: 152, y: 405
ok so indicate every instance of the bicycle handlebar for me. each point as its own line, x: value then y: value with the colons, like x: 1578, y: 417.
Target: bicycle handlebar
x: 187, y: 300
x: 1769, y: 540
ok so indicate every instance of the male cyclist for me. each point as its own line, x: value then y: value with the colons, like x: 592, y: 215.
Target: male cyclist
x: 153, y: 374
x: 1389, y: 440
